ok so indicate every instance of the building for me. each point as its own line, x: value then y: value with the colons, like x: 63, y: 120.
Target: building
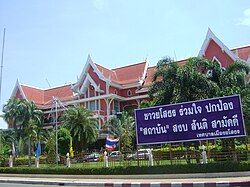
x: 107, y: 92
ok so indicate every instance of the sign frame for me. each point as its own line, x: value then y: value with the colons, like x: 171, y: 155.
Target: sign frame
x: 197, y: 139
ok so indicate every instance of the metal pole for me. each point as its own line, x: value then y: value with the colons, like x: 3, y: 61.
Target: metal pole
x: 56, y: 134
x: 1, y: 75
x: 0, y: 139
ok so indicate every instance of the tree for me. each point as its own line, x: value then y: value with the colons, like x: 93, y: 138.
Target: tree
x: 64, y: 138
x: 50, y: 148
x: 25, y: 118
x: 12, y: 112
x: 146, y: 104
x: 200, y: 79
x: 124, y: 129
x: 82, y: 126
x: 231, y: 80
x: 32, y: 122
x: 173, y: 83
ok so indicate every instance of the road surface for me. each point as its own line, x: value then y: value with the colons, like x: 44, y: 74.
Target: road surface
x: 24, y: 185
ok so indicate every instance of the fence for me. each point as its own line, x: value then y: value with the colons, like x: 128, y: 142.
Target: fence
x: 167, y: 158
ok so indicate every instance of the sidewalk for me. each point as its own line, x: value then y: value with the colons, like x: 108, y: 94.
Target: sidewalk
x: 163, y: 180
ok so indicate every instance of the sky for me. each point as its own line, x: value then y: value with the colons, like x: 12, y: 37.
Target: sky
x: 47, y: 41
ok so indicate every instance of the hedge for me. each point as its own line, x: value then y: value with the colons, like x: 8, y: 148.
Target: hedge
x: 21, y: 161
x: 131, y: 170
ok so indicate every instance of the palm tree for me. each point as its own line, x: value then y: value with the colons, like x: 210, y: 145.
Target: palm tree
x: 12, y: 113
x: 124, y: 129
x: 199, y: 79
x: 229, y: 81
x: 173, y: 83
x: 64, y: 139
x: 82, y: 126
x: 231, y: 77
x: 25, y: 118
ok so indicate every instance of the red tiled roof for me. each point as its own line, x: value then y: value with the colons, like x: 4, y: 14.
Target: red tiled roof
x: 242, y: 52
x: 131, y: 73
x: 33, y: 94
x: 107, y: 72
x: 182, y: 62
x: 62, y: 93
x: 42, y: 97
x: 124, y: 75
x: 150, y: 73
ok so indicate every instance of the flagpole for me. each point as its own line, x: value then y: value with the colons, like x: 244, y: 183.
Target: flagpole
x: 1, y: 75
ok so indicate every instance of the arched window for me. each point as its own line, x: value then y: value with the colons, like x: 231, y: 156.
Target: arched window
x: 216, y: 60
x: 129, y: 93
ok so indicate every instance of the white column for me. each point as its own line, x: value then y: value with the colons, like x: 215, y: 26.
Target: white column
x: 37, y: 162
x: 11, y: 161
x: 106, y: 162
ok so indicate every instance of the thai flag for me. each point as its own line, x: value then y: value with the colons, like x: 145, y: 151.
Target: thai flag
x: 111, y: 143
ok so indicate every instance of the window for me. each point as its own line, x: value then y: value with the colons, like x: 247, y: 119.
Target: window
x: 129, y: 93
x: 97, y: 105
x: 116, y: 106
x: 216, y: 60
x: 92, y: 105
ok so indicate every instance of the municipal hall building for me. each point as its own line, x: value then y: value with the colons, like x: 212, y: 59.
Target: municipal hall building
x: 107, y: 92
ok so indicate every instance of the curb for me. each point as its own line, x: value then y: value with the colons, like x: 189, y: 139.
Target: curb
x: 145, y: 176
x: 135, y: 184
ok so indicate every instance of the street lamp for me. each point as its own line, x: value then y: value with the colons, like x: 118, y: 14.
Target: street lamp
x: 57, y: 103
x: 56, y: 115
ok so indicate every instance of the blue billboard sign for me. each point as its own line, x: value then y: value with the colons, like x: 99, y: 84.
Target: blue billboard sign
x: 190, y: 121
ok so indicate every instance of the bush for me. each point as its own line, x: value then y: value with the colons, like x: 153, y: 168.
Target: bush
x: 21, y: 161
x: 131, y: 170
x: 51, y: 149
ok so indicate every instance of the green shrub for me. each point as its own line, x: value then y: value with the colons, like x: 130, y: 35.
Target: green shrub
x: 51, y: 149
x: 21, y: 161
x: 131, y: 170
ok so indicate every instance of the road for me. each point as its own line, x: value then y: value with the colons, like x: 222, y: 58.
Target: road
x: 203, y: 179
x: 23, y: 185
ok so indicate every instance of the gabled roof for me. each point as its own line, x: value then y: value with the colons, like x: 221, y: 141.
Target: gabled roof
x: 211, y: 36
x: 89, y: 63
x: 131, y: 73
x: 126, y: 74
x: 33, y: 94
x: 119, y: 77
x: 150, y: 73
x: 109, y: 74
x: 63, y: 93
x: 242, y: 52
x: 43, y: 97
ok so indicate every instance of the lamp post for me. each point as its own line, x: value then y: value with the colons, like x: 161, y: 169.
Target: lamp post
x: 56, y: 136
x: 56, y: 115
x: 57, y: 103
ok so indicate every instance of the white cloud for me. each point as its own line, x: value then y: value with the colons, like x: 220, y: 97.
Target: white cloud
x: 99, y: 4
x: 246, y: 19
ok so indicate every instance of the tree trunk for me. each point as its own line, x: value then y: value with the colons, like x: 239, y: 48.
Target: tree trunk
x: 29, y: 150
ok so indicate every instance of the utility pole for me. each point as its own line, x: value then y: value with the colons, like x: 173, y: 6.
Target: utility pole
x: 1, y: 75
